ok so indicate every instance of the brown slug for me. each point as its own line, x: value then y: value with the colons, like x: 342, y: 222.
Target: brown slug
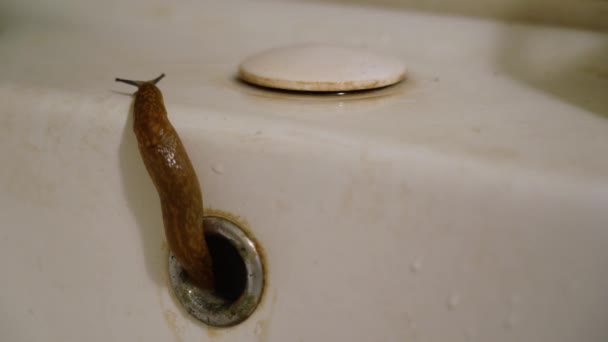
x: 175, y: 179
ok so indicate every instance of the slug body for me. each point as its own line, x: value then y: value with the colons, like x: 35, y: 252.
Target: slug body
x: 176, y: 182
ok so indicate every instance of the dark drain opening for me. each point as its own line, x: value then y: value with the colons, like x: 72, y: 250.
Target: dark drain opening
x: 228, y: 267
x: 239, y: 274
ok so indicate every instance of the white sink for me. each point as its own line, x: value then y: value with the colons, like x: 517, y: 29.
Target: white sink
x: 467, y: 204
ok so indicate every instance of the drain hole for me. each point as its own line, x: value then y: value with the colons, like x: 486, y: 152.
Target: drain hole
x: 228, y: 267
x: 239, y: 277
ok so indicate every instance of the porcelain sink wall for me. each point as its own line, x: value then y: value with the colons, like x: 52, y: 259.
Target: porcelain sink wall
x: 467, y: 204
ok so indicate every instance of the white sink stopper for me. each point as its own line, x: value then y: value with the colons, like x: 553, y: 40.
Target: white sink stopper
x: 319, y: 67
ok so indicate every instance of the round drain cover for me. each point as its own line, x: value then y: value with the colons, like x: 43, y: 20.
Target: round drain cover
x: 317, y: 67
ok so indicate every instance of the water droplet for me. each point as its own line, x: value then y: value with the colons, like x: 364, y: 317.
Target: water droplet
x: 453, y: 301
x: 416, y: 266
x: 218, y: 168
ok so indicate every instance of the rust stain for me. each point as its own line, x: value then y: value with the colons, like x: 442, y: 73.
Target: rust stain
x: 238, y: 220
x: 213, y: 333
x: 171, y: 318
x: 262, y: 327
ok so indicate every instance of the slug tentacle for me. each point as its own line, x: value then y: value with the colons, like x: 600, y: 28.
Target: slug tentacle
x: 175, y: 180
x: 139, y: 83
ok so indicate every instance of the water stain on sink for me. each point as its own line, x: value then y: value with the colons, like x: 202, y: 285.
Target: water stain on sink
x: 262, y: 326
x: 261, y: 329
x: 171, y: 318
x: 213, y: 333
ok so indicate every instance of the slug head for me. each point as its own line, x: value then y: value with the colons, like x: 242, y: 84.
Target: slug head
x: 140, y: 83
x: 148, y: 98
x: 150, y: 115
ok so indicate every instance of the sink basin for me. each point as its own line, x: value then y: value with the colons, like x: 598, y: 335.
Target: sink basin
x: 467, y: 203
